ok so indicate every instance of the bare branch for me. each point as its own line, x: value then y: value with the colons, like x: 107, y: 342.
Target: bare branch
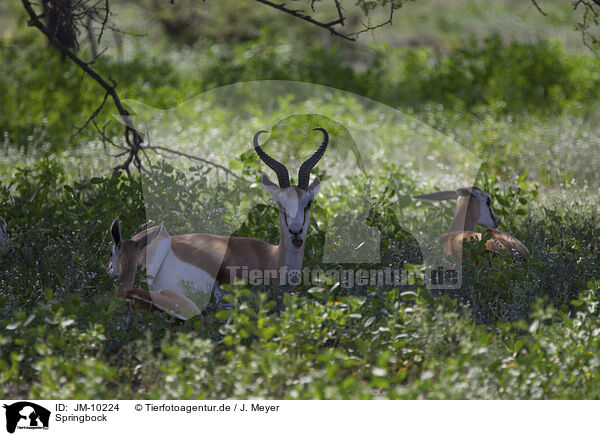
x: 299, y: 14
x: 133, y: 138
x: 94, y: 115
x: 368, y: 28
x: 106, y: 13
x: 105, y: 140
x: 538, y: 8
x: 340, y: 12
x: 193, y: 157
x: 84, y: 13
x: 590, y: 17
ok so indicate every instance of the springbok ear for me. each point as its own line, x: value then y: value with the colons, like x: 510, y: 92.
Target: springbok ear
x: 465, y: 192
x: 162, y: 231
x: 150, y: 236
x: 115, y: 232
x: 157, y: 246
x: 271, y: 187
x: 315, y: 186
x: 438, y: 196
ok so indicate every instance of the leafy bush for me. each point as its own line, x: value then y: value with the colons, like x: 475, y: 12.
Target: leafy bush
x: 494, y: 77
x: 321, y: 342
x: 511, y: 78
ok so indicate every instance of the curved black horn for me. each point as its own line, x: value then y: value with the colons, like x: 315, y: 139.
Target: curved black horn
x: 278, y: 167
x: 308, y: 165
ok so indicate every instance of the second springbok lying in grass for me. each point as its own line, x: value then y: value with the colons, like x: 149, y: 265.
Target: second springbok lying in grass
x: 175, y: 279
x: 473, y: 207
x: 203, y: 261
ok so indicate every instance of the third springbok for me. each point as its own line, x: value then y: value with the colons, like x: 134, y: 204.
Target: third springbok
x: 473, y: 207
x: 193, y: 265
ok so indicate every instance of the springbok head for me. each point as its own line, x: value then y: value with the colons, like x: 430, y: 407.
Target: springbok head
x: 473, y: 207
x: 293, y: 201
x: 127, y: 254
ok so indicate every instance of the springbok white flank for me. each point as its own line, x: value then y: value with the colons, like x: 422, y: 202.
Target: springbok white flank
x: 203, y: 261
x: 473, y: 207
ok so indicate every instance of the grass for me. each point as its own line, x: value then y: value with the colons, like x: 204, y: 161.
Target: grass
x: 320, y: 342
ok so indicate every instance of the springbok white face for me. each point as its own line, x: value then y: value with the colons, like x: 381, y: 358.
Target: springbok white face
x: 294, y: 208
x: 478, y: 197
x: 293, y: 201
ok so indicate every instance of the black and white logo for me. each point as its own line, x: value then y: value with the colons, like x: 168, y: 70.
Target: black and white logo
x: 26, y: 415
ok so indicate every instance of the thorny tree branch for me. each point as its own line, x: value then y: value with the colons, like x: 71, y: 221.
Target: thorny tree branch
x: 132, y: 137
x: 538, y: 8
x: 339, y: 21
x: 368, y: 28
x: 300, y: 14
x: 73, y: 14
x: 94, y: 114
x: 340, y: 12
x: 590, y: 18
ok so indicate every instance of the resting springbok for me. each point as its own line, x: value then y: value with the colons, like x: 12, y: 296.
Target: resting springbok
x: 473, y: 207
x: 152, y: 248
x: 203, y: 261
x: 3, y: 235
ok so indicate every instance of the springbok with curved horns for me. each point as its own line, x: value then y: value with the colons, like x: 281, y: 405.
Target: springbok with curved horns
x: 205, y: 260
x: 473, y: 207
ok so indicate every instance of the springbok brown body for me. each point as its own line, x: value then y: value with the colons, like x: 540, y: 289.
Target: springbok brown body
x: 474, y: 207
x: 204, y: 260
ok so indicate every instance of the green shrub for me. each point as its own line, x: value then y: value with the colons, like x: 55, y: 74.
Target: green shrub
x: 53, y: 98
x: 488, y: 341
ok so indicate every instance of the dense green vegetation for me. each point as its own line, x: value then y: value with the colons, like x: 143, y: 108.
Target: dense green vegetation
x: 513, y: 330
